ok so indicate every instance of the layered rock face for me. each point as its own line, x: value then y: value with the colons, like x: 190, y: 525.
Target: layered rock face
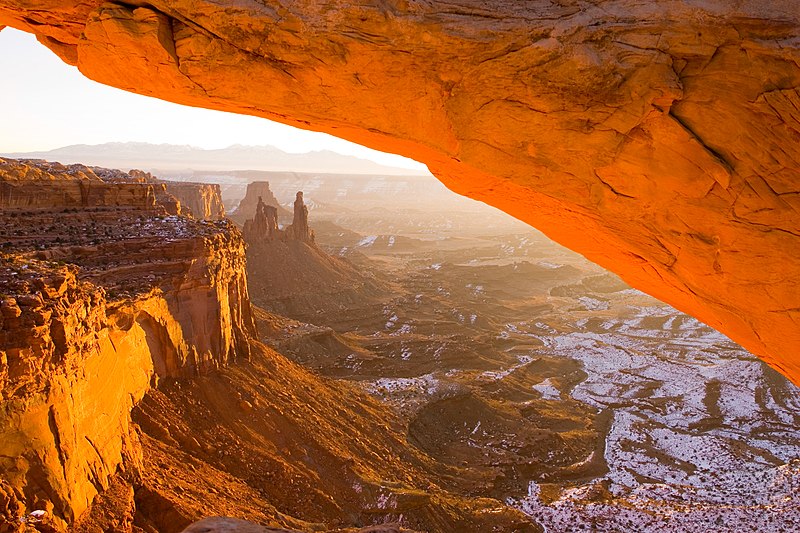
x: 202, y: 200
x: 658, y: 139
x: 98, y: 303
x: 44, y: 185
x: 111, y: 318
x: 264, y: 225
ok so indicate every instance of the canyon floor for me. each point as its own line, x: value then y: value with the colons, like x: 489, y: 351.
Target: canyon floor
x: 550, y: 384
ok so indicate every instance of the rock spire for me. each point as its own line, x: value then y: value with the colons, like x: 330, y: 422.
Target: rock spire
x: 264, y: 224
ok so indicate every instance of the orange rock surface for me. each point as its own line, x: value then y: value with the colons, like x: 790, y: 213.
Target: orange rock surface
x: 659, y: 139
x: 202, y: 200
x: 44, y: 185
x: 146, y: 296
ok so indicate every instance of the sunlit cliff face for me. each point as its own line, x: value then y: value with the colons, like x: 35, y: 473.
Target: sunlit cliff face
x: 660, y: 141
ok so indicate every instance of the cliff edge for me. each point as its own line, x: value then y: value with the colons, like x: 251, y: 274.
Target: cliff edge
x: 103, y: 294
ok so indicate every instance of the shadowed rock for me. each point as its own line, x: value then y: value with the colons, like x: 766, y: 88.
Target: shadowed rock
x: 264, y: 225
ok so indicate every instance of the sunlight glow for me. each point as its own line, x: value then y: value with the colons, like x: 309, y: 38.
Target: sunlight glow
x: 48, y: 104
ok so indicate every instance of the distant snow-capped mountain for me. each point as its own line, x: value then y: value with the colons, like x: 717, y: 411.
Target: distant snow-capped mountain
x: 147, y: 156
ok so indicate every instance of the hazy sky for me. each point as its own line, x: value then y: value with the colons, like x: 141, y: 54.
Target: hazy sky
x: 48, y: 104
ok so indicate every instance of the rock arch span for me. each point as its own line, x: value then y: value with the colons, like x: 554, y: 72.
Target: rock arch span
x: 661, y: 140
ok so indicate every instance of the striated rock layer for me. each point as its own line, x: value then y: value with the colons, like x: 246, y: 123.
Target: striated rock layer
x: 97, y: 305
x: 38, y: 184
x: 202, y: 200
x: 659, y: 139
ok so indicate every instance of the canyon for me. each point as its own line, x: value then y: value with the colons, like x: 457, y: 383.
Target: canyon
x: 658, y: 140
x: 383, y: 369
x: 551, y: 384
x: 136, y: 396
x: 369, y: 353
x: 287, y: 272
x: 104, y: 293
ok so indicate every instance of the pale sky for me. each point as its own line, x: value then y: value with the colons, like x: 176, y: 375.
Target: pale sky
x: 48, y: 104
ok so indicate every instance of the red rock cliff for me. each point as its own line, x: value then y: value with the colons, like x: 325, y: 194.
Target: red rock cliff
x: 97, y: 304
x: 45, y: 185
x: 202, y: 200
x: 659, y: 139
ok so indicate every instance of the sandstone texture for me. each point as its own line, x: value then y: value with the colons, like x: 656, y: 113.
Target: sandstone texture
x: 37, y: 184
x: 264, y: 224
x: 201, y: 200
x: 659, y: 139
x: 102, y: 295
x: 298, y: 229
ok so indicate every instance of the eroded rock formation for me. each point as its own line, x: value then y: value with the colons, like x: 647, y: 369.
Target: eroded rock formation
x: 257, y: 191
x: 102, y: 295
x: 37, y: 184
x: 658, y: 139
x: 298, y: 229
x: 202, y: 200
x: 289, y: 274
x: 135, y: 396
x: 264, y: 225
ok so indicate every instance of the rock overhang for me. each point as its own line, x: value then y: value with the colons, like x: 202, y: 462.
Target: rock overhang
x: 660, y: 140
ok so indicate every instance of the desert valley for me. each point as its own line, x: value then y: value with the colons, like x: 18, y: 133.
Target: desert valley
x: 346, y: 358
x: 400, y: 266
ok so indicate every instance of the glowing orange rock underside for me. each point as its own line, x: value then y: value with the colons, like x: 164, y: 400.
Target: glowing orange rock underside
x: 660, y: 140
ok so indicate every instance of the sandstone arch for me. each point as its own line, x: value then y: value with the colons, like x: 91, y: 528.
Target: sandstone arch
x: 659, y: 139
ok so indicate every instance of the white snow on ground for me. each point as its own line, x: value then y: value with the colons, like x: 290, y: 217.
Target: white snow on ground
x: 391, y: 321
x: 367, y: 241
x: 426, y: 384
x: 498, y: 375
x: 593, y: 304
x: 404, y: 329
x: 547, y: 390
x: 547, y: 264
x: 406, y: 394
x: 662, y: 507
x: 679, y: 458
x: 405, y: 353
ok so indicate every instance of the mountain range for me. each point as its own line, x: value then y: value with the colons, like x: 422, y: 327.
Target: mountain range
x: 149, y: 157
